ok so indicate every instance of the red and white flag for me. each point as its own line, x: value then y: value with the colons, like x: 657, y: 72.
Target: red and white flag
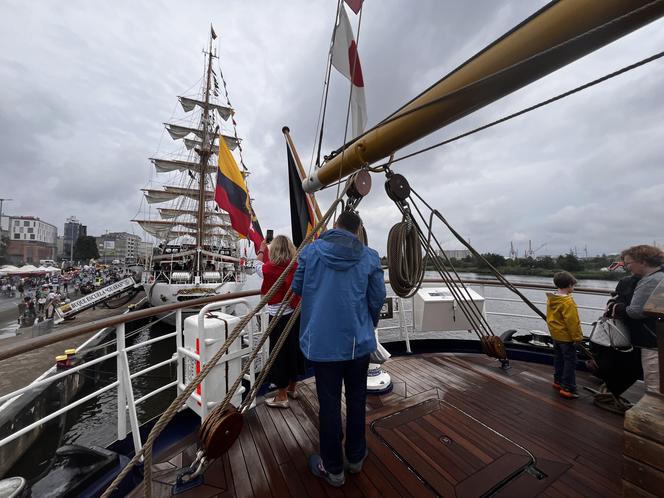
x: 347, y: 61
x: 355, y: 5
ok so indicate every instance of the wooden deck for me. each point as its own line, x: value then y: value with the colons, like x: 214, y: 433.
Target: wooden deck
x: 454, y: 425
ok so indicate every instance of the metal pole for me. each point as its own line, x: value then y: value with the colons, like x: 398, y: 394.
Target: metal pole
x: 122, y: 396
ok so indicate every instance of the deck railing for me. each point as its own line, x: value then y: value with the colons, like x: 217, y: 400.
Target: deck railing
x: 126, y: 401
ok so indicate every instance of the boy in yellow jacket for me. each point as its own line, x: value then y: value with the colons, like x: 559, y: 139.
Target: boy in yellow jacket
x: 562, y: 318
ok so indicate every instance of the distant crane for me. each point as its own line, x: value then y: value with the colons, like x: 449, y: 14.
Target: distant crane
x: 530, y: 253
x: 513, y: 254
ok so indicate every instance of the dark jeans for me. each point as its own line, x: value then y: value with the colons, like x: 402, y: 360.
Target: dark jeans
x: 329, y: 376
x: 289, y: 363
x: 564, y: 364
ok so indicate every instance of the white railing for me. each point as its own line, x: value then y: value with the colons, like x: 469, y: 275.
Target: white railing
x: 403, y: 311
x: 126, y: 401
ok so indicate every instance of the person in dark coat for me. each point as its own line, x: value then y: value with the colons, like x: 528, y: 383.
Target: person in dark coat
x: 619, y: 370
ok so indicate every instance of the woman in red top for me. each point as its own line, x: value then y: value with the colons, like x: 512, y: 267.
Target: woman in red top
x: 290, y: 360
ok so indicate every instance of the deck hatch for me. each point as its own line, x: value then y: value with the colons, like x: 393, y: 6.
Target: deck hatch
x: 453, y: 453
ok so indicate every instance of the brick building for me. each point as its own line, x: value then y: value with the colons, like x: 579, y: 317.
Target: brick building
x: 31, y: 239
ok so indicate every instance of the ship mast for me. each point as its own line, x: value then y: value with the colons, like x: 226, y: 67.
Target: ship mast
x: 204, y: 153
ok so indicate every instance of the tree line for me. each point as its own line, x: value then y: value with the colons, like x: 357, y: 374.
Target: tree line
x: 540, y: 266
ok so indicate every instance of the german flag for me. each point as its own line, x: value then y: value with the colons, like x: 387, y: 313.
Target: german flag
x: 302, y: 217
x: 232, y: 196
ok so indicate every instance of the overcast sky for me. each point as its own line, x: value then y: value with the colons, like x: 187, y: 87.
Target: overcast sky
x: 86, y: 86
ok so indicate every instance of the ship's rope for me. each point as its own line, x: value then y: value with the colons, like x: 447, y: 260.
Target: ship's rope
x: 146, y: 451
x: 353, y: 68
x: 454, y: 283
x: 404, y: 255
x: 531, y: 108
x: 565, y: 44
x: 320, y: 126
x: 499, y: 276
x: 381, y: 166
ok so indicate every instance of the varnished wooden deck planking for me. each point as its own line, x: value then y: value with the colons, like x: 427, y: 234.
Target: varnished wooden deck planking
x: 577, y: 444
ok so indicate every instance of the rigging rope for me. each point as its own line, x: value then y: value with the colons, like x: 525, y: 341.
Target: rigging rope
x: 533, y: 107
x: 395, y: 116
x: 353, y: 67
x: 381, y: 166
x: 146, y: 451
x: 326, y: 88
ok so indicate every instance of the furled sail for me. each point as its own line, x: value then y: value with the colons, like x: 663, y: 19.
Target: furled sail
x: 153, y: 226
x: 171, y: 193
x: 188, y: 105
x: 168, y: 165
x: 231, y: 143
x: 195, y: 144
x: 178, y: 132
x: 169, y: 214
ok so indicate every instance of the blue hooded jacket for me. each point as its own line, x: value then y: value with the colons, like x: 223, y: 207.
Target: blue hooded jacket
x: 343, y: 289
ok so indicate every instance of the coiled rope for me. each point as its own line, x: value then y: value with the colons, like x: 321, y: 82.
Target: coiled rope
x: 404, y: 258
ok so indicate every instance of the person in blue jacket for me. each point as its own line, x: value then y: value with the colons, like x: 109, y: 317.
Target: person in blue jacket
x: 343, y: 289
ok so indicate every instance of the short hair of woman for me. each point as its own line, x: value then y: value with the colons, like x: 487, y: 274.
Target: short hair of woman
x: 282, y: 250
x: 650, y: 255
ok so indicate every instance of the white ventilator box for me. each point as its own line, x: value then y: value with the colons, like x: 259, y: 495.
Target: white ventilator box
x: 436, y: 309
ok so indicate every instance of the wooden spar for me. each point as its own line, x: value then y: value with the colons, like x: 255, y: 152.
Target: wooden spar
x: 528, y: 52
x: 300, y: 169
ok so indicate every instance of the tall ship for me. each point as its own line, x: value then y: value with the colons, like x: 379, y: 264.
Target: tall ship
x: 198, y: 252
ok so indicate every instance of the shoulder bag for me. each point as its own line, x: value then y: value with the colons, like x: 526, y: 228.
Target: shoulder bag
x: 612, y: 333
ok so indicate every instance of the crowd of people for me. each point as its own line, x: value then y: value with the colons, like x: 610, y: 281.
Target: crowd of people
x: 40, y: 295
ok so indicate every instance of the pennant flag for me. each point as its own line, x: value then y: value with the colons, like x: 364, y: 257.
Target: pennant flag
x: 347, y: 61
x: 232, y: 196
x: 214, y: 35
x: 302, y: 216
x: 355, y: 5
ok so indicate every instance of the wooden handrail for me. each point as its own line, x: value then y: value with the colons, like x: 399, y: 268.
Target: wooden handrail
x: 39, y: 342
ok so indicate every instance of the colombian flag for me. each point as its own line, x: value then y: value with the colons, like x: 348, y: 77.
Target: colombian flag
x: 233, y: 197
x: 302, y: 216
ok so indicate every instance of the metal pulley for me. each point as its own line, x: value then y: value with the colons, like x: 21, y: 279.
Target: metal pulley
x: 397, y: 187
x: 219, y: 431
x: 359, y: 185
x: 494, y: 347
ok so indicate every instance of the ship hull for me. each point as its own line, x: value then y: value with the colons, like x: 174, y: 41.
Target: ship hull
x: 160, y: 293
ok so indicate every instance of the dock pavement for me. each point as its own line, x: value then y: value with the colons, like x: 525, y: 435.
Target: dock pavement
x: 20, y: 371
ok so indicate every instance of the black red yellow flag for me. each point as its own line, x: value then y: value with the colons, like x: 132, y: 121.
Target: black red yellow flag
x: 302, y: 217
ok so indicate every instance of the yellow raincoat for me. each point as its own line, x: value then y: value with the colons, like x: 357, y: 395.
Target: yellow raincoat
x: 562, y: 318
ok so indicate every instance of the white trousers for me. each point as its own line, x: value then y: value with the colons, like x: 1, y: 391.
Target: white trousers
x: 650, y: 362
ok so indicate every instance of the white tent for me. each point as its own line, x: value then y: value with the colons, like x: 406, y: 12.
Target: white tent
x: 7, y: 270
x: 53, y: 269
x: 28, y: 269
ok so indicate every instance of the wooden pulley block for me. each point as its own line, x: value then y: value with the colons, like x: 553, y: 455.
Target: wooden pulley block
x: 219, y: 431
x: 494, y: 347
x: 397, y: 187
x: 359, y: 184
